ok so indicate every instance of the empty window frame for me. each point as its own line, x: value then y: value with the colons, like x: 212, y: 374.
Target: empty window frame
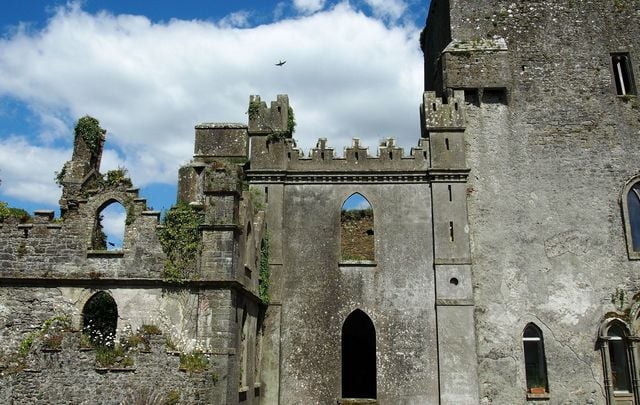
x: 534, y: 360
x: 100, y: 319
x: 109, y: 226
x: 623, y: 74
x: 630, y: 199
x: 356, y: 229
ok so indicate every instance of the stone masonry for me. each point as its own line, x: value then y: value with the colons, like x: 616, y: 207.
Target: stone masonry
x: 503, y: 270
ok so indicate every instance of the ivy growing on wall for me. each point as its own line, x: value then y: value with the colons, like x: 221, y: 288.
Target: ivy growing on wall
x: 265, y: 272
x: 91, y: 132
x: 254, y: 109
x: 180, y: 240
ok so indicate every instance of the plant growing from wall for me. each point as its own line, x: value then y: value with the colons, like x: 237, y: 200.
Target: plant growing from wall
x: 257, y: 199
x: 291, y: 122
x: 113, y: 357
x: 265, y: 272
x: 117, y: 177
x: 180, y: 239
x: 89, y: 129
x: 59, y: 176
x: 10, y: 212
x: 194, y: 362
x: 51, y: 333
x: 288, y: 133
x: 254, y: 110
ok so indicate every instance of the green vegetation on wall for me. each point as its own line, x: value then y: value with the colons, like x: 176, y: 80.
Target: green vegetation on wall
x: 265, y: 272
x: 91, y: 132
x: 11, y: 212
x: 180, y: 240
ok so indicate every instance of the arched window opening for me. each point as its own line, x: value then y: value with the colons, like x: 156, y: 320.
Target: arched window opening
x: 108, y: 230
x: 619, y: 362
x: 534, y: 360
x: 356, y: 229
x: 633, y: 216
x: 100, y: 319
x: 358, y: 356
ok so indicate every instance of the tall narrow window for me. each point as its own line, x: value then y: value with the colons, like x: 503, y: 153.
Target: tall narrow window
x: 623, y: 74
x: 633, y: 207
x: 108, y: 230
x: 100, y: 319
x: 358, y: 356
x: 356, y: 229
x: 631, y: 213
x: 618, y: 359
x: 534, y: 360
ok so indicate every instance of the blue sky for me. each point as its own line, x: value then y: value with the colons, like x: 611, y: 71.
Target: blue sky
x: 151, y: 70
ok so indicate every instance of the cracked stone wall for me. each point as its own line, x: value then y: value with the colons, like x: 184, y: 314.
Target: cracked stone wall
x: 547, y: 236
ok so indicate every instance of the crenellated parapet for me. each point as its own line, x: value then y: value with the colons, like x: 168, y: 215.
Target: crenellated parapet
x: 268, y: 120
x: 440, y: 115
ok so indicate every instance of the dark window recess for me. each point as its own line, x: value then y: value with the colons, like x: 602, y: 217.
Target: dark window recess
x: 618, y: 358
x: 534, y: 360
x: 494, y: 96
x: 623, y: 74
x: 100, y: 319
x: 633, y: 206
x: 358, y: 356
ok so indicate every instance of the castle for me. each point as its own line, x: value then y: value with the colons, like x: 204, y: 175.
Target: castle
x: 496, y: 263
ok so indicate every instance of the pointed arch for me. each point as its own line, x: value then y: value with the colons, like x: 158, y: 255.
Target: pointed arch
x: 616, y: 352
x: 100, y: 318
x: 359, y: 356
x: 535, y: 360
x: 109, y: 226
x: 357, y: 240
x: 630, y: 199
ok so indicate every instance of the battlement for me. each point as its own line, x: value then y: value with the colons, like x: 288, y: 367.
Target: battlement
x: 268, y: 120
x: 440, y: 115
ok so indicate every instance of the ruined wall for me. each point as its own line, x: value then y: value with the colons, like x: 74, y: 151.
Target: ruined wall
x: 208, y: 307
x: 548, y: 160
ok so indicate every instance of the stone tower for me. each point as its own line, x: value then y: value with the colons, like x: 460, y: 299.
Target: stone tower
x: 550, y: 141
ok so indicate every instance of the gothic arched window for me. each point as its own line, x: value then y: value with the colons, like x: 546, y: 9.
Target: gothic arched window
x: 631, y: 212
x: 616, y: 355
x: 534, y: 360
x: 356, y: 229
x: 100, y: 319
x: 108, y: 229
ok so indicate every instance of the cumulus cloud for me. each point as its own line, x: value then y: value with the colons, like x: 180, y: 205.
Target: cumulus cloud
x: 27, y: 171
x: 308, y: 6
x: 347, y: 75
x: 391, y: 9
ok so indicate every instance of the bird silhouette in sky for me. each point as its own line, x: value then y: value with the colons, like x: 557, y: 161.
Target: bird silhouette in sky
x: 282, y: 62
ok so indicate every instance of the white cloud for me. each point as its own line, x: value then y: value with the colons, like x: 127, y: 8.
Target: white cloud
x: 391, y: 9
x: 347, y: 75
x: 308, y: 6
x: 239, y: 19
x: 27, y: 171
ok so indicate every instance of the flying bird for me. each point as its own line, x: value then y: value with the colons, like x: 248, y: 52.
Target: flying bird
x: 282, y: 62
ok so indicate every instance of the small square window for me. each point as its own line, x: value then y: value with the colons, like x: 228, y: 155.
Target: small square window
x: 623, y: 74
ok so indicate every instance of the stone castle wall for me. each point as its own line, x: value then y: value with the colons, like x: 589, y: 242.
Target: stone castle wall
x: 550, y: 147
